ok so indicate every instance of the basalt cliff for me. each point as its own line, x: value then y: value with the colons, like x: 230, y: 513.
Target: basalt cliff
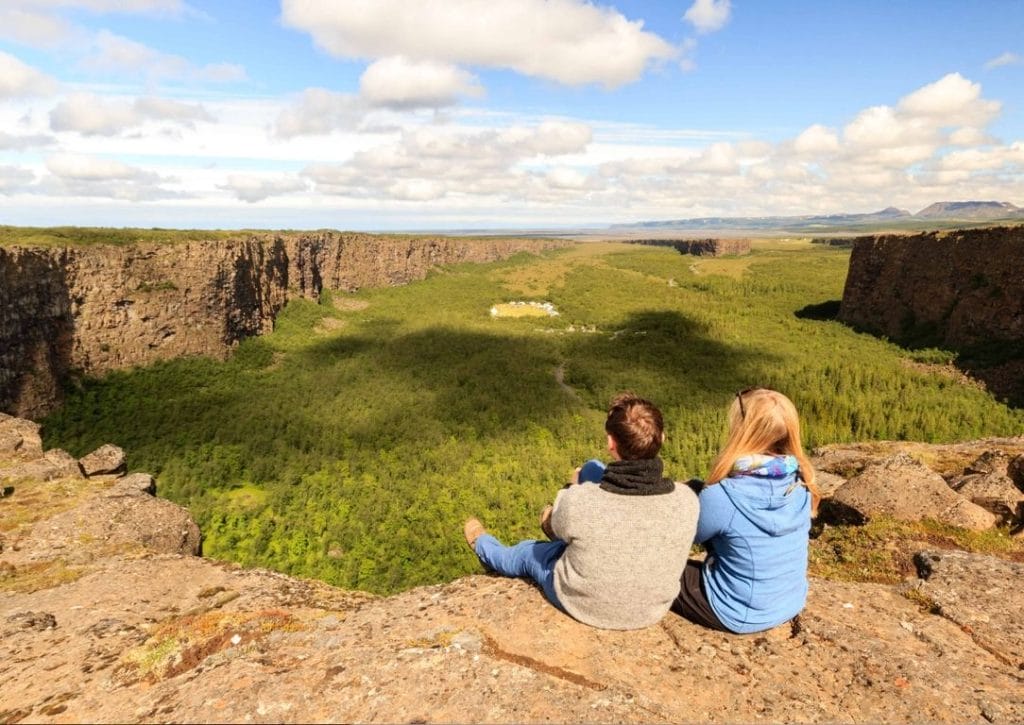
x: 108, y: 614
x: 961, y: 290
x: 91, y: 309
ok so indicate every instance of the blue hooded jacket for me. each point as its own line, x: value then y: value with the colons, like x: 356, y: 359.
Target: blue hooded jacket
x: 755, y: 525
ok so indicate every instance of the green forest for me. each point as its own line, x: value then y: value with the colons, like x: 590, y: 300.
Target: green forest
x: 350, y: 444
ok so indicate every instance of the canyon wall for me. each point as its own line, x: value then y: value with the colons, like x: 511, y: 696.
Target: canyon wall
x: 954, y: 289
x: 961, y: 290
x: 92, y: 309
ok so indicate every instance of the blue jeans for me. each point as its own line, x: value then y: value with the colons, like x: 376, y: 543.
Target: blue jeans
x: 534, y: 559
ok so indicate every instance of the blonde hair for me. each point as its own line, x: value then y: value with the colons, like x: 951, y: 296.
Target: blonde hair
x: 763, y: 421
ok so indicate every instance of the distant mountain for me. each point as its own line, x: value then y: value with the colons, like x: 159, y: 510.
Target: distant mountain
x: 792, y: 223
x: 945, y: 214
x: 973, y: 210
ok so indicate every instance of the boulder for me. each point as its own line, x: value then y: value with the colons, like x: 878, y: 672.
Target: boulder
x: 137, y: 484
x: 987, y: 483
x: 904, y: 489
x: 19, y: 437
x: 104, y: 460
x: 828, y: 483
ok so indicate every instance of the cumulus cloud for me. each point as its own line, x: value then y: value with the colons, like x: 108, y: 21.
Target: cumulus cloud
x: 116, y: 54
x: 35, y: 29
x: 432, y: 163
x: 397, y: 82
x: 92, y: 176
x: 158, y: 7
x: 953, y: 99
x: 92, y: 115
x: 257, y: 188
x: 320, y: 111
x: 816, y: 139
x: 14, y: 179
x: 930, y: 144
x: 570, y: 41
x: 1006, y: 58
x: 15, y: 142
x: 20, y: 80
x: 39, y: 23
x: 707, y: 16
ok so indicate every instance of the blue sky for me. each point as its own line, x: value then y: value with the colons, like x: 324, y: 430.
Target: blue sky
x: 391, y: 115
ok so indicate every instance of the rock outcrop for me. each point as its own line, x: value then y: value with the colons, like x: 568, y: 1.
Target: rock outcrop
x: 961, y: 290
x: 700, y: 247
x: 97, y: 308
x: 904, y: 489
x: 972, y: 485
x: 100, y: 627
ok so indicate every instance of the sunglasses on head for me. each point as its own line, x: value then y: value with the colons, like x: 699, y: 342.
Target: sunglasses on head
x: 739, y: 397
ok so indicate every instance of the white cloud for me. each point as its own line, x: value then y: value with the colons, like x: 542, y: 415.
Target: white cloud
x: 1006, y: 58
x: 92, y: 176
x: 398, y: 82
x: 80, y: 167
x: 319, y: 111
x: 252, y: 188
x: 93, y: 115
x: 119, y: 55
x: 816, y: 139
x: 14, y: 179
x: 34, y: 28
x: 19, y: 80
x: 164, y: 109
x: 569, y: 41
x: 707, y: 16
x: 952, y: 99
x: 15, y: 142
x: 160, y: 7
x: 431, y: 163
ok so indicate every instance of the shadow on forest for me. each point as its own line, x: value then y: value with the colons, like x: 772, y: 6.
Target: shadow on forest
x: 393, y: 388
x: 999, y: 364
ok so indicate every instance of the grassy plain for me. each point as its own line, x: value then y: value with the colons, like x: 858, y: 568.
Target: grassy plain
x: 350, y: 444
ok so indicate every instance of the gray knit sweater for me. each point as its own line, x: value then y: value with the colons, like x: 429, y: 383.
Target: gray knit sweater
x: 625, y: 554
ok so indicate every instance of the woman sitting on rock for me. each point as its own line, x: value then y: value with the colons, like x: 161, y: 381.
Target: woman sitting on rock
x: 620, y: 543
x: 755, y: 514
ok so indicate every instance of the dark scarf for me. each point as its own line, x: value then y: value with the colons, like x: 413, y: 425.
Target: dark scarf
x: 636, y: 478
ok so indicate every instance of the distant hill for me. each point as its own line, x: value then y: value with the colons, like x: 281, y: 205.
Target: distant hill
x: 940, y: 214
x: 974, y: 210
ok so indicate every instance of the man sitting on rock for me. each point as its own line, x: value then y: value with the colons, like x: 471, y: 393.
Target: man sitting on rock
x: 620, y: 545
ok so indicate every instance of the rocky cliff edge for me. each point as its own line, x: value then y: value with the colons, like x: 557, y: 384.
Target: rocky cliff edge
x: 107, y: 615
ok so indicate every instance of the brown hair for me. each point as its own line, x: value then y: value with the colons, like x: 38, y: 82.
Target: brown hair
x: 636, y: 425
x: 763, y: 421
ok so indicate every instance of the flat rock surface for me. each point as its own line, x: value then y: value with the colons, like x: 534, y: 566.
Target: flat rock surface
x: 980, y: 593
x: 173, y: 638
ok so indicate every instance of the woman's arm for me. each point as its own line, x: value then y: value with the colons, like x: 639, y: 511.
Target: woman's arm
x: 716, y: 512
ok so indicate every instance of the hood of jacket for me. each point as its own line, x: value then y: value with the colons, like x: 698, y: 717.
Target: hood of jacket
x: 768, y: 492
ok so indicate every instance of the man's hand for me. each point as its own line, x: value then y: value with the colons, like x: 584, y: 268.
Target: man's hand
x: 575, y: 478
x: 545, y: 522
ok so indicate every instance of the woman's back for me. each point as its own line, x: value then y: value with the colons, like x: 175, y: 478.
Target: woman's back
x: 755, y: 524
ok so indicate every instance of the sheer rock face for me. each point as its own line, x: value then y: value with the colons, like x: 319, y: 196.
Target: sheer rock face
x: 953, y: 289
x: 99, y: 308
x: 96, y: 628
